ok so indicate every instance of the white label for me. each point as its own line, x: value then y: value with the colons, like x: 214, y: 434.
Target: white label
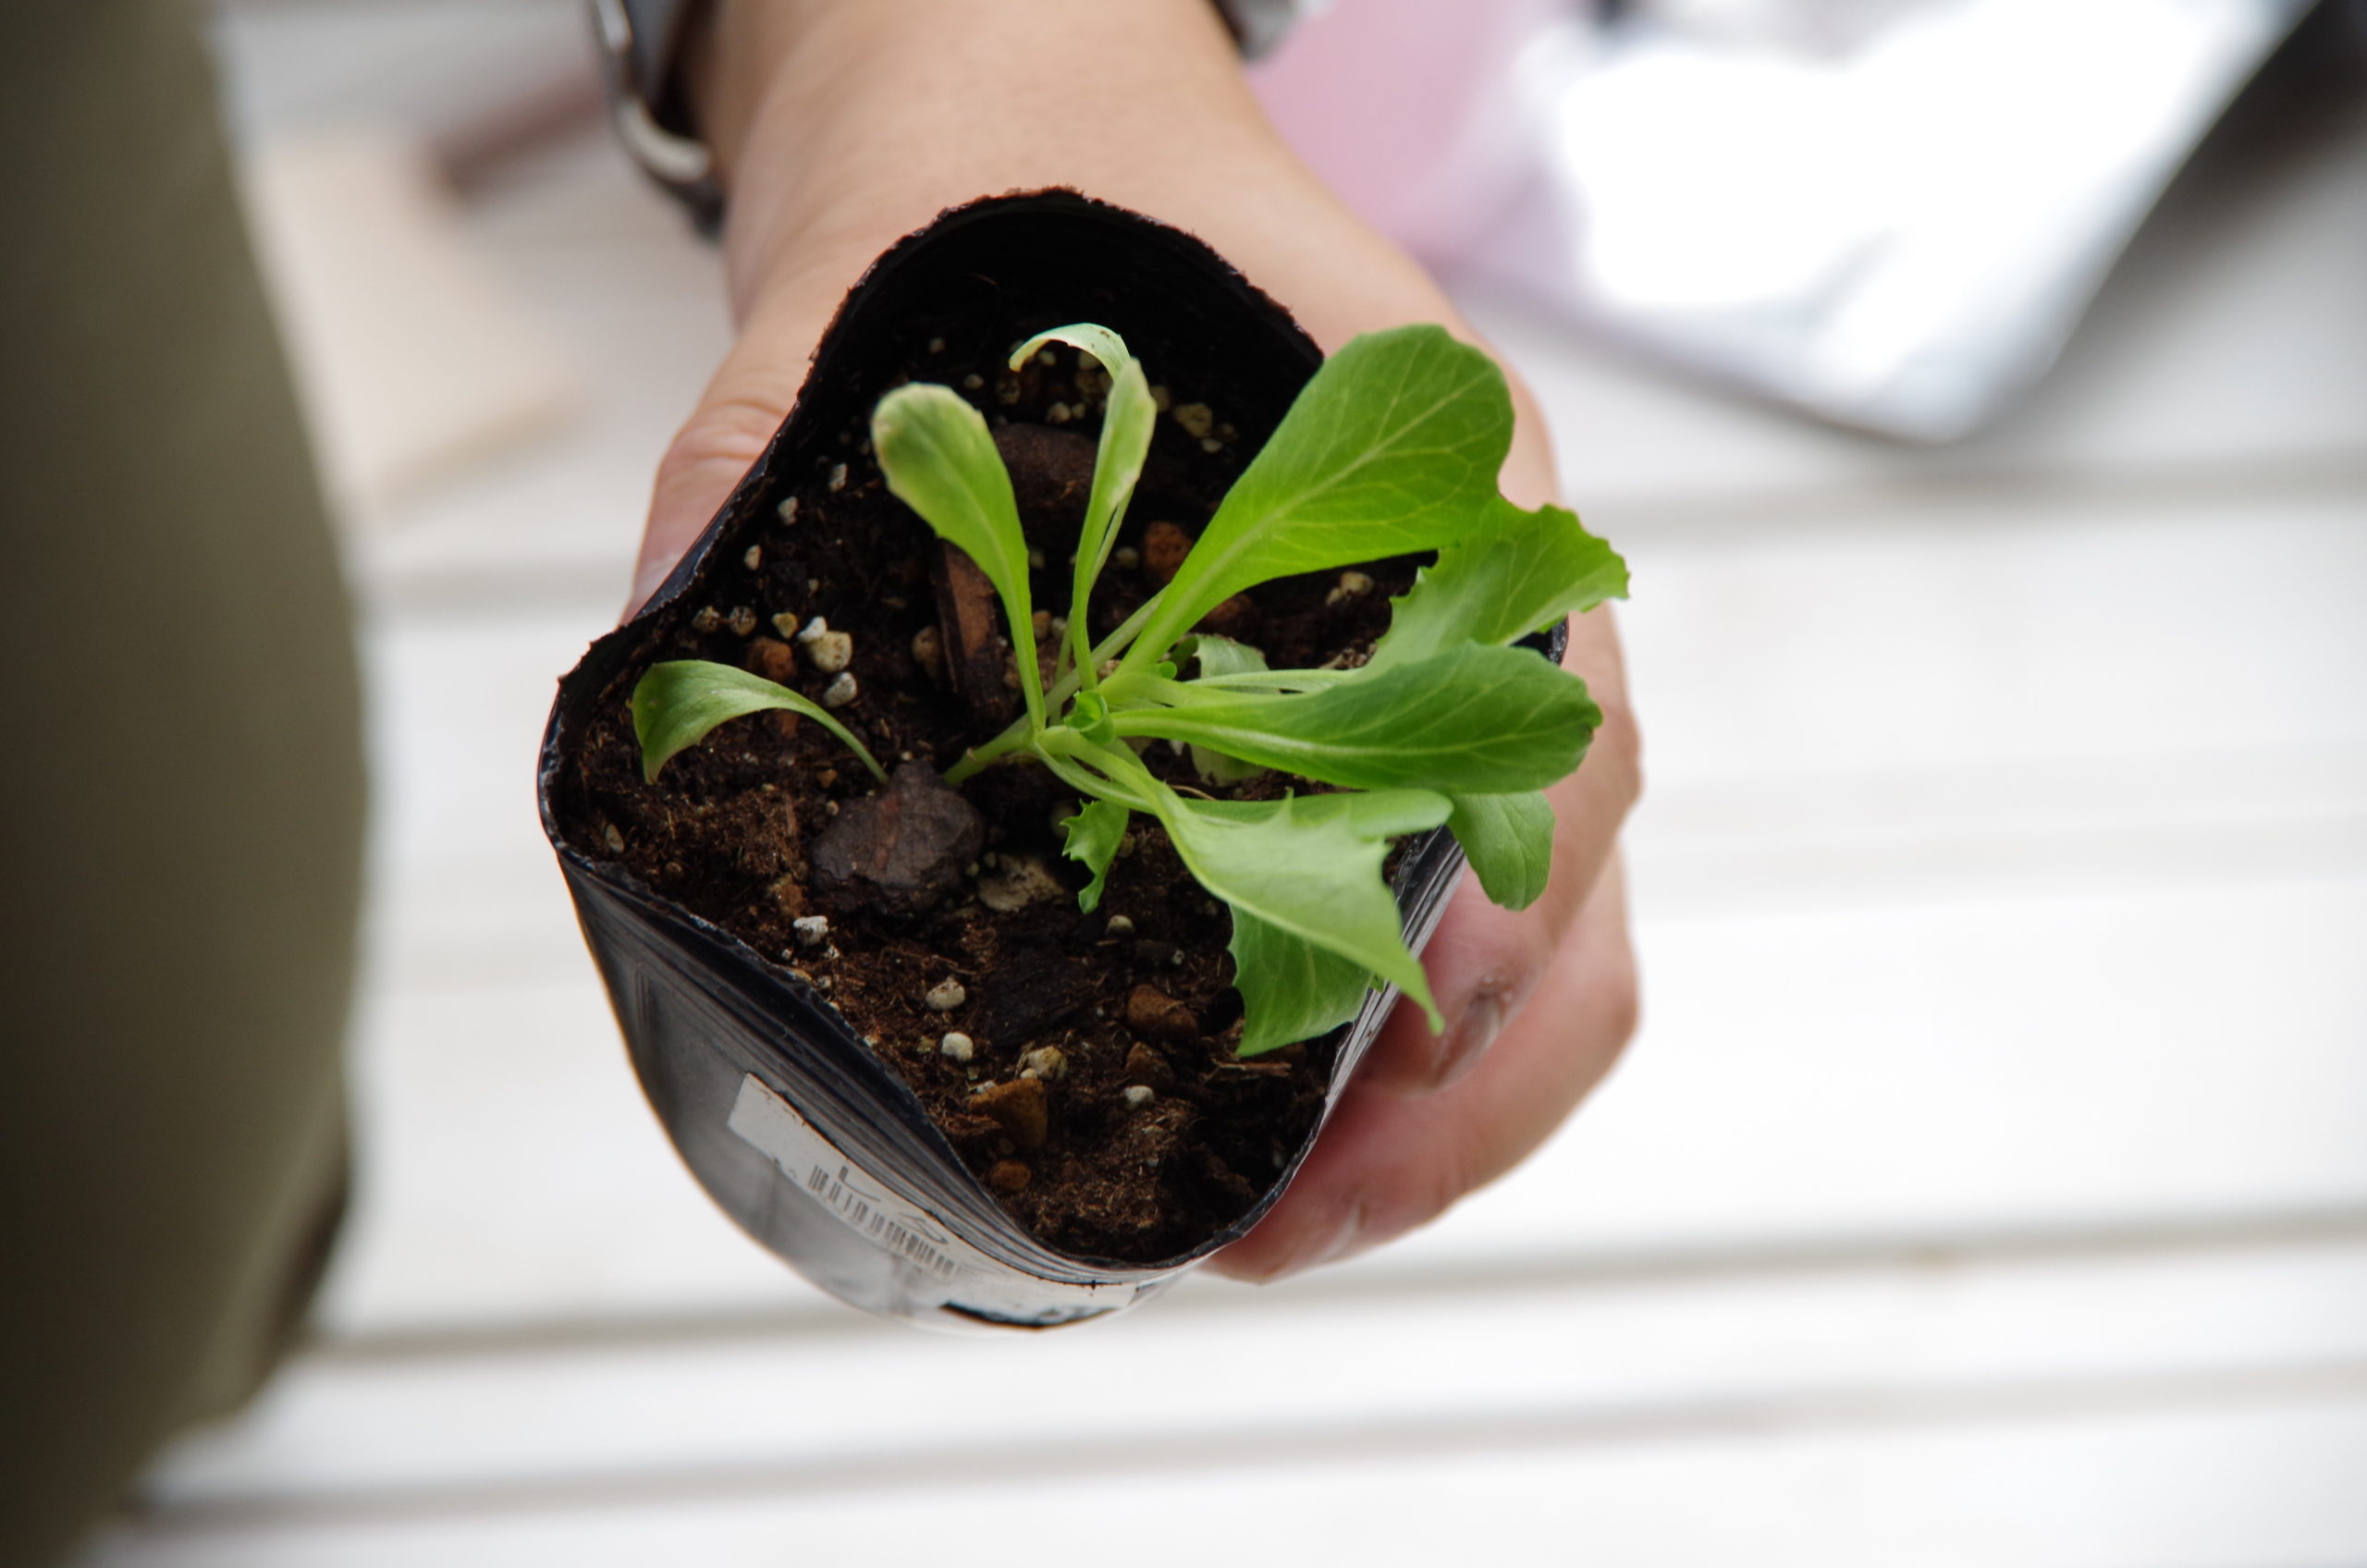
x: 772, y: 1125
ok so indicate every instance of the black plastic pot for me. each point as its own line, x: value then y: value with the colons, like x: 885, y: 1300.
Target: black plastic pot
x: 792, y: 1123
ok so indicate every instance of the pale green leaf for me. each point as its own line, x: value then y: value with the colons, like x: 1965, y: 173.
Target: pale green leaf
x: 676, y: 703
x: 1217, y: 768
x: 1089, y: 716
x: 1128, y: 417
x: 1308, y: 865
x: 1094, y: 338
x: 1091, y: 836
x: 1393, y: 446
x: 1509, y: 840
x: 1518, y: 572
x: 1290, y: 989
x: 1222, y: 656
x: 940, y: 460
x: 1273, y: 681
x: 1475, y: 720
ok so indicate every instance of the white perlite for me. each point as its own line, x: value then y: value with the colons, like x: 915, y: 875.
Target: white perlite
x: 825, y: 650
x: 828, y: 652
x: 946, y: 995
x: 1020, y: 881
x: 841, y: 691
x: 1353, y: 585
x: 811, y: 929
x: 1048, y: 1062
x: 1138, y: 1095
x: 955, y: 1047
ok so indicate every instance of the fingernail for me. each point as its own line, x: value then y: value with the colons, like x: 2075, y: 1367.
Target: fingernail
x: 644, y: 583
x: 1482, y: 1020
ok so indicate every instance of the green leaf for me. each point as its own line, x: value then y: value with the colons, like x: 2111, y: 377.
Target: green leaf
x: 1217, y: 768
x: 1290, y: 989
x: 1309, y: 867
x: 940, y: 460
x: 1094, y: 338
x: 1222, y: 656
x: 1517, y: 571
x: 1092, y: 836
x: 1273, y: 681
x: 1089, y: 716
x: 1393, y: 446
x: 1476, y: 721
x: 1509, y: 840
x: 1128, y: 416
x: 676, y: 705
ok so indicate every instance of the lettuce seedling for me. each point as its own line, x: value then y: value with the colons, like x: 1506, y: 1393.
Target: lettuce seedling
x: 1392, y: 449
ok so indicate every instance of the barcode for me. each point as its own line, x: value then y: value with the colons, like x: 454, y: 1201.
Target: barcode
x: 877, y: 1223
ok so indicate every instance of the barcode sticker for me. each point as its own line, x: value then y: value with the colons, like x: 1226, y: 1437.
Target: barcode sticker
x: 868, y: 1212
x: 772, y: 1125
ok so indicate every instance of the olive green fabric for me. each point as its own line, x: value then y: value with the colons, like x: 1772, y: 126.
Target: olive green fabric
x: 181, y: 798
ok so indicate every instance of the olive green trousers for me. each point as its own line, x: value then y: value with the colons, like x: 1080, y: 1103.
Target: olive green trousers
x: 180, y: 778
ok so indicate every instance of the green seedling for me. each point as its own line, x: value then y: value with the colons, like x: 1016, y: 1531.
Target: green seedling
x: 1394, y: 447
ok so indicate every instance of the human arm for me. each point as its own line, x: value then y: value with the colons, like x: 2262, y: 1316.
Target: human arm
x: 840, y: 124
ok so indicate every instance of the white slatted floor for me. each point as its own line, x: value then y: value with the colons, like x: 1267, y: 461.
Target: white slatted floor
x: 1989, y: 1183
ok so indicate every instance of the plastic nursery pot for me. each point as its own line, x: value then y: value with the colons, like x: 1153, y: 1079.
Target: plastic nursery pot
x: 799, y: 1128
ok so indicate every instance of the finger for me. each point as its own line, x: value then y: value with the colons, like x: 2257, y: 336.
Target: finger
x: 745, y: 402
x: 1386, y: 1164
x: 1485, y: 962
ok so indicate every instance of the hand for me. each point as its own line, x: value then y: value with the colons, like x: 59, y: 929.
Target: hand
x: 841, y: 125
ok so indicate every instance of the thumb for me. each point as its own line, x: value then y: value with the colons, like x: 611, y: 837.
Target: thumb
x: 745, y: 401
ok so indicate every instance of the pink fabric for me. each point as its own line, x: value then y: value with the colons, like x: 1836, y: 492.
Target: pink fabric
x: 1406, y: 108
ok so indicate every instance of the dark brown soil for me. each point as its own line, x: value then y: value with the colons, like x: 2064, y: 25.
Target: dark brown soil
x: 1135, y: 995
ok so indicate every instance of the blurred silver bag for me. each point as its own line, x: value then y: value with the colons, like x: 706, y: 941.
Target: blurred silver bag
x: 1890, y: 213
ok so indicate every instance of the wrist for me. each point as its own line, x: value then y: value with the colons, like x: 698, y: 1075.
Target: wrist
x: 840, y: 124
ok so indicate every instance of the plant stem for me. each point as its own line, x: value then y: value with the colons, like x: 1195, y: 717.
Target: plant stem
x: 1015, y: 738
x: 1031, y: 683
x: 1082, y: 781
x: 1080, y: 602
x: 1069, y: 753
x: 1022, y: 731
